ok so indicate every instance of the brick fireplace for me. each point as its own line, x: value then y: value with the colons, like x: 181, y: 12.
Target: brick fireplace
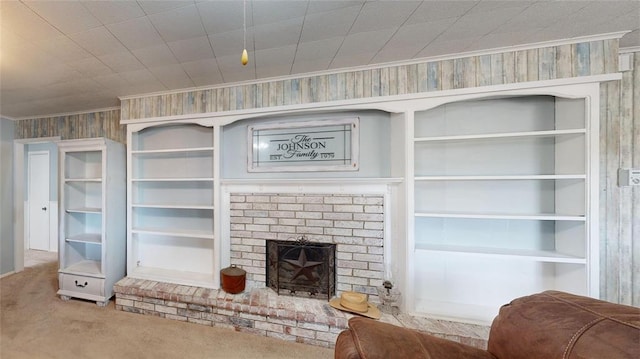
x: 353, y: 222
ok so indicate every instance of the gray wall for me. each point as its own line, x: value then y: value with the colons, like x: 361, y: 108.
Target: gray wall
x: 6, y: 196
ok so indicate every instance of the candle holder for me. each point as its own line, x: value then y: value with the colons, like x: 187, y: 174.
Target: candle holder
x: 389, y: 298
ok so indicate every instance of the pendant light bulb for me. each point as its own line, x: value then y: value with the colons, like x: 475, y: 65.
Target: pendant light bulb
x: 245, y: 57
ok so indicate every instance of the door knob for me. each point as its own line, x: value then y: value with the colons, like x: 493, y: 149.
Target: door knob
x: 44, y: 208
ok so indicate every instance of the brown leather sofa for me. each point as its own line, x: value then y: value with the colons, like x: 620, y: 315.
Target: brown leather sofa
x: 546, y: 325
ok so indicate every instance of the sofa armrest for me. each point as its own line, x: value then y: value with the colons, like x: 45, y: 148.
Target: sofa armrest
x: 555, y: 324
x: 370, y: 339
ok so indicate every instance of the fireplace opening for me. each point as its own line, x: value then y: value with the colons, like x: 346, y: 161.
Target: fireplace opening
x: 301, y: 268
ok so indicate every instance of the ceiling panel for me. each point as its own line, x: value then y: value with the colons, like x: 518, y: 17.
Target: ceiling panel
x: 302, y: 66
x: 63, y: 48
x: 71, y: 18
x: 379, y: 15
x: 191, y: 49
x: 438, y: 48
x: 278, y: 34
x: 18, y: 18
x: 476, y: 24
x: 230, y: 43
x: 328, y: 5
x: 98, y: 41
x: 438, y: 10
x: 90, y: 67
x: 121, y: 61
x: 267, y: 12
x: 178, y: 24
x: 321, y: 49
x: 156, y: 6
x: 158, y: 55
x: 109, y: 12
x: 172, y: 76
x: 223, y: 16
x: 230, y: 67
x: 201, y: 68
x: 329, y: 24
x: 136, y: 34
x: 365, y: 42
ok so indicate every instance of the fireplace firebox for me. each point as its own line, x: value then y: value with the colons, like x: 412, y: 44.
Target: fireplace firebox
x: 301, y: 268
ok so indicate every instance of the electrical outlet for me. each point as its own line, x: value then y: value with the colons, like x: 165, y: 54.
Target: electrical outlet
x: 628, y: 177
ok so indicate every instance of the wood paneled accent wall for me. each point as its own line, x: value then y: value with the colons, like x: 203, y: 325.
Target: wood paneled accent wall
x: 580, y: 59
x: 620, y: 206
x: 71, y: 127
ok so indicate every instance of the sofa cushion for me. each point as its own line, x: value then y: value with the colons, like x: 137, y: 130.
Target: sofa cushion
x: 555, y: 324
x: 371, y: 339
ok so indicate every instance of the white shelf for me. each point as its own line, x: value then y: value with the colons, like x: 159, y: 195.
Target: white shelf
x: 174, y: 233
x: 172, y: 150
x: 521, y: 254
x: 173, y: 276
x: 538, y: 217
x: 86, y: 267
x: 500, y: 177
x: 83, y: 179
x: 502, y: 135
x: 171, y: 206
x: 202, y: 179
x: 500, y: 194
x: 84, y: 210
x: 93, y: 238
x: 92, y: 219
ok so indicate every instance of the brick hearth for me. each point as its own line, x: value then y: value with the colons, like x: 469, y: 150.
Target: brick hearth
x: 263, y: 312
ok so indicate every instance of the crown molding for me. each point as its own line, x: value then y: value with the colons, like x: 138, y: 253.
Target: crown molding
x: 114, y: 108
x: 628, y: 50
x: 8, y: 118
x: 530, y: 46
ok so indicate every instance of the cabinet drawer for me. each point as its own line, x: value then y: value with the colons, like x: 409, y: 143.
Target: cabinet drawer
x: 81, y: 284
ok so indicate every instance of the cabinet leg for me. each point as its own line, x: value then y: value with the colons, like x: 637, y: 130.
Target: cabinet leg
x: 65, y: 297
x: 102, y: 304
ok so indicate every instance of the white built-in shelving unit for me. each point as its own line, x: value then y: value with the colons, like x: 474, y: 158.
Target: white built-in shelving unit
x: 500, y: 203
x: 172, y: 180
x: 92, y: 228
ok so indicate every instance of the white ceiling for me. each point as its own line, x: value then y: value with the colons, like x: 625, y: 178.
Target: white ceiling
x: 69, y: 56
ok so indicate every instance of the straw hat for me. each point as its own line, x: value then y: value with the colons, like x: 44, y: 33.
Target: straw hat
x: 355, y: 302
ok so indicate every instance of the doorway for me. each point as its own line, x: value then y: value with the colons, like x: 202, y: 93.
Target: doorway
x: 21, y: 230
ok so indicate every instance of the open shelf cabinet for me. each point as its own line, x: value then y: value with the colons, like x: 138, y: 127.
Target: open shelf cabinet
x: 500, y: 202
x: 172, y: 181
x: 92, y: 218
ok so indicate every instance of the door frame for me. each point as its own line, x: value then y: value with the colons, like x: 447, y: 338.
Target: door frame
x: 19, y: 222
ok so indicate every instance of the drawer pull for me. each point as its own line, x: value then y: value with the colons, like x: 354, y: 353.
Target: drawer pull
x: 81, y: 285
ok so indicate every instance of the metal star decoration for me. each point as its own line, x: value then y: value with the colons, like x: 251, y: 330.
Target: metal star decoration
x: 303, y: 266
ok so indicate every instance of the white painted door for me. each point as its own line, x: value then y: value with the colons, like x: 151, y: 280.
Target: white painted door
x: 38, y: 195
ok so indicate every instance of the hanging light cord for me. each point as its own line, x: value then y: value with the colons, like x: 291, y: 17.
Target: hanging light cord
x: 244, y: 59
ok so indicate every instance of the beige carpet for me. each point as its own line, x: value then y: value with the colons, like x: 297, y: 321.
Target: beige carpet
x: 36, y: 323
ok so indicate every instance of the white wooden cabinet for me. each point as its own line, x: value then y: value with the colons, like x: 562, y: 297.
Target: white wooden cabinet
x: 92, y: 217
x: 172, y: 177
x: 501, y: 204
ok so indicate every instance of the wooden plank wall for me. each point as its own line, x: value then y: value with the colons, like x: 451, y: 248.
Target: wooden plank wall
x: 71, y: 127
x: 580, y: 59
x: 620, y: 206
